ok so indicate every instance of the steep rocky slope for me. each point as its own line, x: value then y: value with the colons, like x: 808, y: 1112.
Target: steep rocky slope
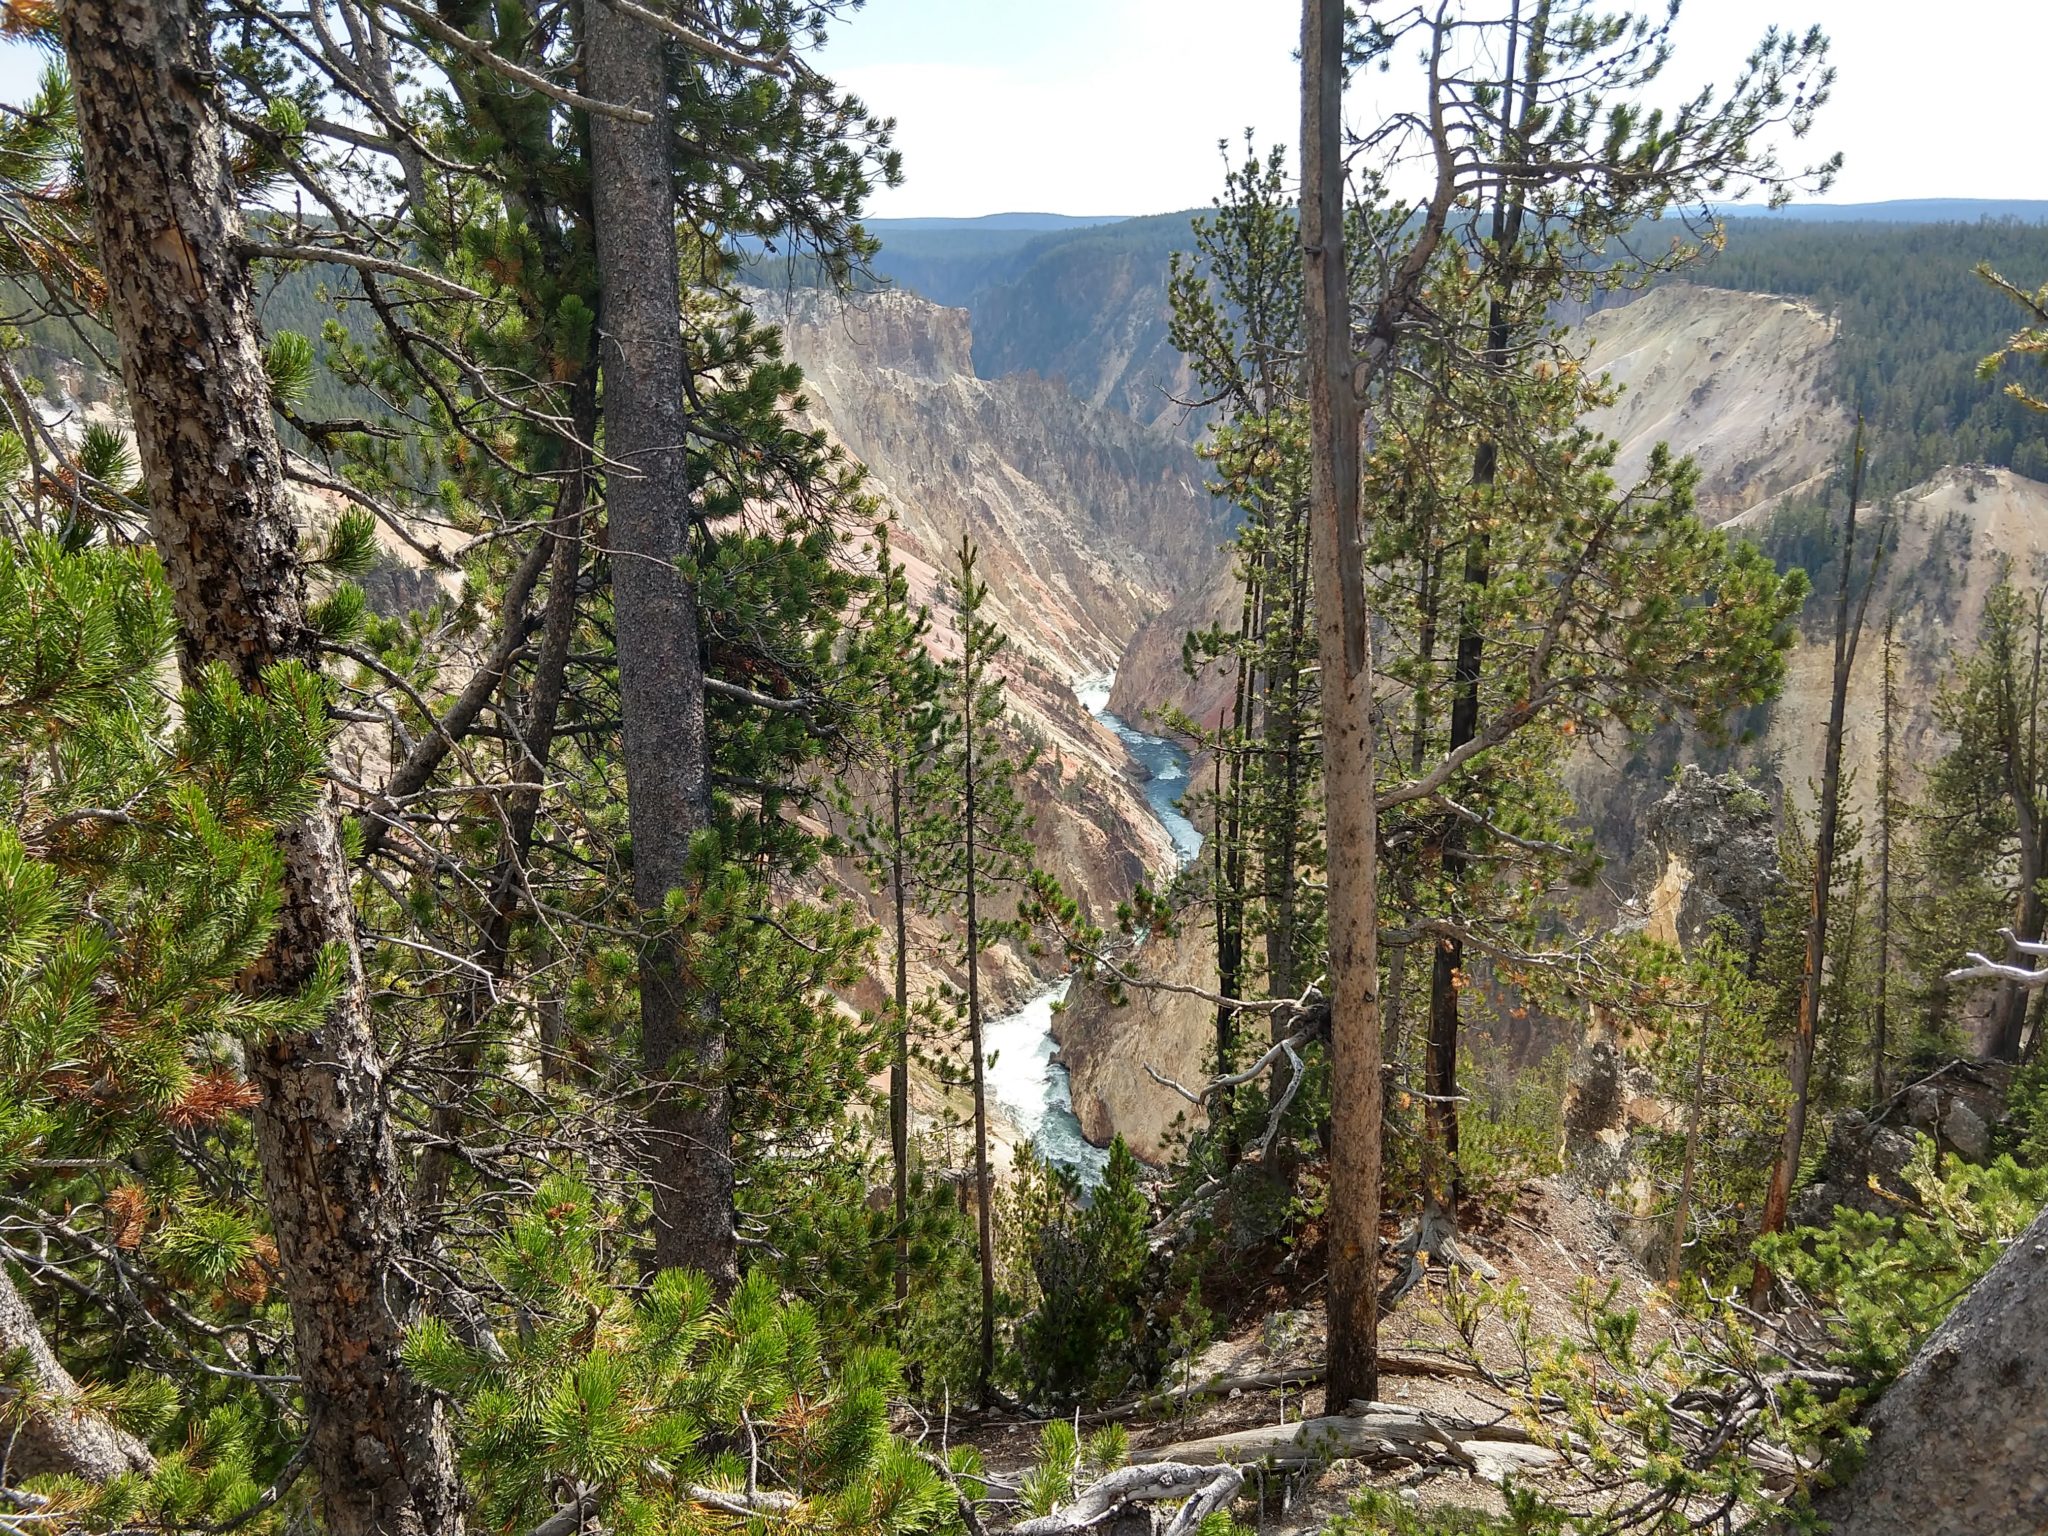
x: 1088, y: 524
x: 1103, y: 551
x: 1735, y: 380
x: 1112, y: 1050
x: 1091, y: 523
x: 1953, y: 534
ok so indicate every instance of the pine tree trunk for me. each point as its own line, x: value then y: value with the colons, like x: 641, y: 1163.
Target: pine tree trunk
x: 57, y: 1433
x: 1799, y: 1069
x: 899, y: 1066
x: 180, y: 302
x: 1345, y: 645
x: 561, y: 542
x: 984, y: 1189
x: 661, y: 666
x: 1283, y: 814
x: 1447, y: 974
x: 1885, y: 787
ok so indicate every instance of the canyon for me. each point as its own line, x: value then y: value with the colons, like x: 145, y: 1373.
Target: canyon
x: 1102, y: 550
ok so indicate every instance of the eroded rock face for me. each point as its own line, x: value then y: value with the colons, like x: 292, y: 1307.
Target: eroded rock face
x: 1733, y: 379
x: 1709, y: 860
x: 1107, y: 1047
x: 1087, y: 524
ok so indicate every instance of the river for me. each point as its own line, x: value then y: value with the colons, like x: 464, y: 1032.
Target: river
x: 1029, y: 1085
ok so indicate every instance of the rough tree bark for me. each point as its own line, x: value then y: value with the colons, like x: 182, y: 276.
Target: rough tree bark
x: 57, y: 1434
x: 180, y: 302
x: 1959, y: 1443
x: 661, y: 662
x: 1886, y: 796
x: 1345, y: 642
x: 984, y: 1184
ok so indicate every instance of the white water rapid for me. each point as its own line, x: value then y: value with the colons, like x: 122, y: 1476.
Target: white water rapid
x: 1030, y: 1086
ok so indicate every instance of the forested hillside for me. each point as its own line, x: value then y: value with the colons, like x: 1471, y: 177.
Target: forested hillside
x: 1915, y: 321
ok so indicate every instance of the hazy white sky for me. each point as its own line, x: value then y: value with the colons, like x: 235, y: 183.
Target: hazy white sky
x: 1115, y: 106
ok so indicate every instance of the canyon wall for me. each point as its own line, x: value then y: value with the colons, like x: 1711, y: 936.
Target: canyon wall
x: 1087, y: 523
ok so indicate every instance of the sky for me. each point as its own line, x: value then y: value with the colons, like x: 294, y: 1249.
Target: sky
x: 1116, y: 106
x: 1113, y: 107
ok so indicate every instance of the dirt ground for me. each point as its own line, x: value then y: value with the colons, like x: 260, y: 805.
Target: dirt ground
x: 1548, y: 1242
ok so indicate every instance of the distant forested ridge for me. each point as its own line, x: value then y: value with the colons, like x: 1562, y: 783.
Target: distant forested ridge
x: 1915, y: 321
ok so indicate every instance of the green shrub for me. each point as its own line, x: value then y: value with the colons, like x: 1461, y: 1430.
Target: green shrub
x: 1087, y: 1335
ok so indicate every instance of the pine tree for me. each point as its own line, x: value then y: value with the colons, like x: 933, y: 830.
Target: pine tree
x: 979, y: 834
x: 140, y: 880
x: 1987, y: 794
x: 1848, y: 631
x: 902, y: 686
x: 665, y: 1409
x: 183, y: 312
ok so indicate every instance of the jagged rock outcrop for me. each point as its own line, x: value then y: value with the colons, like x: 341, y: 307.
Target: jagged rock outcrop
x: 1709, y: 863
x: 1709, y: 859
x: 1956, y: 1106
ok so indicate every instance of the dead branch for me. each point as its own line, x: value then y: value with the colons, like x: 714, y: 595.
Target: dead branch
x: 1205, y: 1489
x: 1983, y: 968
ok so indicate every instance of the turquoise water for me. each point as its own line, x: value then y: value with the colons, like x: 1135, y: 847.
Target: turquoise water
x: 1026, y: 1081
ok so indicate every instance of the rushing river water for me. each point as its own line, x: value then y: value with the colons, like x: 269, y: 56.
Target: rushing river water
x: 1026, y: 1081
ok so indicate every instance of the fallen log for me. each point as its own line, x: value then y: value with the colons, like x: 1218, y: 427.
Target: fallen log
x: 1202, y: 1490
x: 1391, y: 1363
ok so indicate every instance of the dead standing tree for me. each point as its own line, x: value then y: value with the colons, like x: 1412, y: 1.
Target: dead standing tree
x: 1600, y: 164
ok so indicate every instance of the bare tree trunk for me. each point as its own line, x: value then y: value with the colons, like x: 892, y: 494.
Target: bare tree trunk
x: 1681, y: 1210
x: 561, y: 541
x: 1345, y: 644
x: 1283, y: 816
x: 59, y: 1433
x: 2023, y: 779
x: 1227, y: 863
x: 899, y: 1065
x: 1885, y: 791
x: 1447, y: 973
x: 984, y: 1186
x: 1959, y: 1443
x: 180, y: 301
x: 661, y: 664
x: 1800, y: 1066
x: 2010, y: 1018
